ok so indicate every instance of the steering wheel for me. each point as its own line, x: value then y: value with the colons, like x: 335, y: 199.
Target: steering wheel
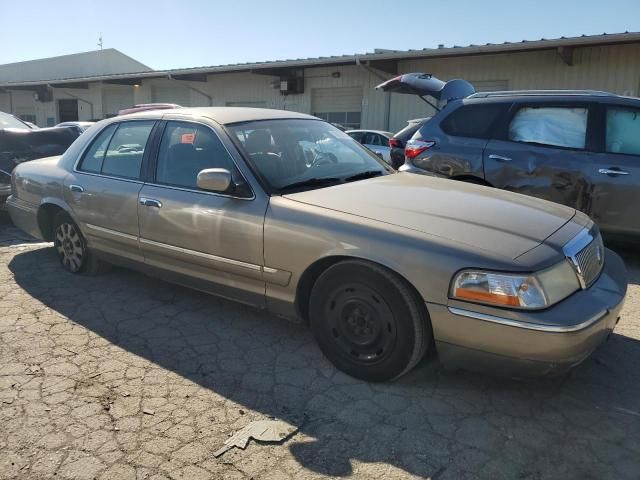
x: 323, y: 158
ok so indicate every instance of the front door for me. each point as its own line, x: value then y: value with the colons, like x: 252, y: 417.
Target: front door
x: 543, y: 153
x: 208, y: 240
x: 103, y: 189
x: 68, y: 110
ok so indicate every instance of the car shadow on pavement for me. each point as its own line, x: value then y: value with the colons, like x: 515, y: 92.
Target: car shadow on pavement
x: 430, y: 423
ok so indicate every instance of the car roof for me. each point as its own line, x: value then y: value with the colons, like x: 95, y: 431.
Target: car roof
x: 222, y: 115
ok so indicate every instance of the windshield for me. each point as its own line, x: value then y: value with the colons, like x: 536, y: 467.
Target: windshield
x: 303, y: 154
x: 9, y: 121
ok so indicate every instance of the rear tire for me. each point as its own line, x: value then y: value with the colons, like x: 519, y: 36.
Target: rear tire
x: 368, y: 322
x: 71, y: 248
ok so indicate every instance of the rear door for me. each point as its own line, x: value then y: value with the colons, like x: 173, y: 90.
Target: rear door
x: 546, y: 150
x: 616, y: 169
x: 102, y: 190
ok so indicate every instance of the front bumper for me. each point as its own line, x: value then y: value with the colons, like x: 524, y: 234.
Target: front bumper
x: 517, y: 343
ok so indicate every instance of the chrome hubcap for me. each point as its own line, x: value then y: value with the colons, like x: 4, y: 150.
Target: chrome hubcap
x: 69, y: 247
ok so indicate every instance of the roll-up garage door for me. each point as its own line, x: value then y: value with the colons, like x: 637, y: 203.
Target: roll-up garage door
x: 338, y: 105
x: 115, y: 100
x: 176, y: 94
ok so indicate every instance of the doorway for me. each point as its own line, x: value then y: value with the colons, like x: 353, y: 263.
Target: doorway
x: 68, y: 110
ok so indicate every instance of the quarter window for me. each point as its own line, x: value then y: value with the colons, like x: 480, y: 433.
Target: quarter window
x: 126, y: 149
x: 185, y: 150
x: 92, y: 161
x: 623, y: 130
x: 557, y: 126
x: 473, y: 121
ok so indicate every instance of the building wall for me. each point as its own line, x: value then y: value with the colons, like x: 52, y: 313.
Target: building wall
x: 610, y: 68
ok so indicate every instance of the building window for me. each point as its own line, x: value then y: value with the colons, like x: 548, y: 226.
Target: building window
x: 28, y: 117
x: 349, y: 120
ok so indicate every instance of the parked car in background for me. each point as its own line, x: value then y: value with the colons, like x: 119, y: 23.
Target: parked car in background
x: 578, y: 148
x: 400, y: 139
x: 20, y: 143
x: 307, y: 224
x: 78, y: 126
x: 375, y: 140
x: 143, y: 107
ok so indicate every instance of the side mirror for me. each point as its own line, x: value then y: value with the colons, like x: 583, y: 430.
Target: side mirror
x: 214, y: 179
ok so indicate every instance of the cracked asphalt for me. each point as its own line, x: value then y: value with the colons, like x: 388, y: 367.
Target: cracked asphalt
x: 125, y: 377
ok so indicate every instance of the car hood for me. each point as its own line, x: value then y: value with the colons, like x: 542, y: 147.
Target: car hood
x: 497, y: 221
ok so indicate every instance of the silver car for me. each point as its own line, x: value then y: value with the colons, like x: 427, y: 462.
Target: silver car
x: 287, y: 213
x: 375, y: 140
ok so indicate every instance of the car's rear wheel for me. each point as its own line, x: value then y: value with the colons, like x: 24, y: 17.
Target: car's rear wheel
x: 71, y: 247
x: 368, y: 321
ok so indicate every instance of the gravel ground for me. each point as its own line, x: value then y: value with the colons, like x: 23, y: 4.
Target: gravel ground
x: 124, y: 377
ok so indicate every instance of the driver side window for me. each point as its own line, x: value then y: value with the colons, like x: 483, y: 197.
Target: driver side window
x: 186, y: 149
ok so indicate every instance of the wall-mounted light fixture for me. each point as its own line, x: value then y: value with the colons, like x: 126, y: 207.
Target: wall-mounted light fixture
x: 335, y: 74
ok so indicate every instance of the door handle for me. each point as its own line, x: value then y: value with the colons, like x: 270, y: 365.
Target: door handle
x: 76, y: 188
x: 150, y: 202
x: 612, y: 171
x: 499, y: 158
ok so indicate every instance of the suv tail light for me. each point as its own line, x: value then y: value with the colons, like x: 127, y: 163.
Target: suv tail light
x: 394, y: 143
x: 416, y: 147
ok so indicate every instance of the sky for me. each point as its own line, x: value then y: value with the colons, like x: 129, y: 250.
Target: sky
x: 188, y: 33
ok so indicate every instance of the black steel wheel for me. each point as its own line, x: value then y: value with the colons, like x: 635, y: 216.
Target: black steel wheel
x: 368, y: 321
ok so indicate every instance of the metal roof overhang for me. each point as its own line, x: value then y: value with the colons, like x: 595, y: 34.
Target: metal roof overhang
x: 386, y: 61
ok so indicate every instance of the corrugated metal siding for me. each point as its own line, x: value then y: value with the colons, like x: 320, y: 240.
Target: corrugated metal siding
x: 610, y: 68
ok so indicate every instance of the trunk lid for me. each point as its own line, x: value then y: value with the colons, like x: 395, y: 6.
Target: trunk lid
x: 425, y: 84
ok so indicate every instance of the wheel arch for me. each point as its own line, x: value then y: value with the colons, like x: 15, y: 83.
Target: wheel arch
x: 312, y: 273
x: 471, y: 179
x: 49, y: 208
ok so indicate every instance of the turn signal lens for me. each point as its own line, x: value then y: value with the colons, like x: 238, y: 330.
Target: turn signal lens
x: 521, y: 291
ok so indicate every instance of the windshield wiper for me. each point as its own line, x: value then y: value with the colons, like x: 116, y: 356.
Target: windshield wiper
x: 312, y: 182
x: 363, y: 175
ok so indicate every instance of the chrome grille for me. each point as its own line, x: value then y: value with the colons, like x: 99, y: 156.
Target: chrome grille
x: 586, y: 254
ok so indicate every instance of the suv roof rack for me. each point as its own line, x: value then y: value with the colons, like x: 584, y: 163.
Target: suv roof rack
x: 516, y: 93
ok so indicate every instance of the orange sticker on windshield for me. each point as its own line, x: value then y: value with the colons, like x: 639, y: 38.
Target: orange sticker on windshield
x: 188, y: 138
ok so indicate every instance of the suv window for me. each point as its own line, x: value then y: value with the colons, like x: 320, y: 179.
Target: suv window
x: 126, y: 149
x: 474, y: 120
x: 185, y: 150
x: 556, y: 126
x: 623, y: 130
x: 92, y: 161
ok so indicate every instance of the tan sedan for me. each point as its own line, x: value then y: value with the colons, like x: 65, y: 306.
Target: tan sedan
x: 283, y: 211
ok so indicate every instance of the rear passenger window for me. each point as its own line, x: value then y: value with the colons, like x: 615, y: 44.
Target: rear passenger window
x: 473, y: 120
x: 556, y: 126
x: 623, y: 130
x: 92, y: 161
x: 126, y: 149
x: 185, y: 150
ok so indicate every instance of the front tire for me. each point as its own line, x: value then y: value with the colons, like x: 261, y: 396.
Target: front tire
x: 368, y: 322
x: 71, y: 247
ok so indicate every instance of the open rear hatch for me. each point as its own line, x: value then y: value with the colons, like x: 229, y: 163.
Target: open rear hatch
x: 426, y: 85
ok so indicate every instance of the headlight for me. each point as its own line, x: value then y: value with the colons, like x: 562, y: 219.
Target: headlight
x: 531, y: 291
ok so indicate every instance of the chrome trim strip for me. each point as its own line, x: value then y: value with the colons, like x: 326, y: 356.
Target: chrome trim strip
x: 204, y: 192
x: 527, y: 325
x: 208, y: 256
x: 112, y: 232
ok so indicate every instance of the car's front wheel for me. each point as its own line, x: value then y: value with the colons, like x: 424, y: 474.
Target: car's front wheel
x: 71, y: 247
x: 368, y: 321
